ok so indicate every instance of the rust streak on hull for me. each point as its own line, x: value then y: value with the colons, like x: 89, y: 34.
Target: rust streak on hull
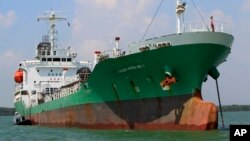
x: 165, y: 113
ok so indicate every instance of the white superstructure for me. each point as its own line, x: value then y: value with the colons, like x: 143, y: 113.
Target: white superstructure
x: 51, y: 69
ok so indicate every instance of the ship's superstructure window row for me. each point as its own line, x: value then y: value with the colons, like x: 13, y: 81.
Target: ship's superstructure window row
x: 56, y: 59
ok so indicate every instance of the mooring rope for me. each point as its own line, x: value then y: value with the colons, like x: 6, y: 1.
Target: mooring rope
x: 218, y: 93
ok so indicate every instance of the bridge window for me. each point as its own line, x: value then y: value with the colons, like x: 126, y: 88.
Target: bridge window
x: 68, y: 59
x: 43, y: 59
x: 56, y: 59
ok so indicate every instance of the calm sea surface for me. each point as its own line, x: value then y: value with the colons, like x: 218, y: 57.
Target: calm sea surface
x: 9, y: 132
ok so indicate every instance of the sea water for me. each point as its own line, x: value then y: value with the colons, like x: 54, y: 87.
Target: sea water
x: 9, y: 132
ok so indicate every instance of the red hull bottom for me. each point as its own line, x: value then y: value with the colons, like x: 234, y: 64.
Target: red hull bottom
x: 185, y: 112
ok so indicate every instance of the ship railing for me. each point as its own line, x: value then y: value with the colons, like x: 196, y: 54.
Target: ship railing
x: 62, y: 52
x: 87, y: 63
x: 35, y: 62
x: 63, y: 92
x: 112, y: 54
x: 32, y: 62
x: 219, y: 26
x: 59, y: 52
x: 71, y: 79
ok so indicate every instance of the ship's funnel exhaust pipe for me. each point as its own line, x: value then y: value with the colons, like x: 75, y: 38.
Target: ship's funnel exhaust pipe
x: 117, y: 39
x: 116, y: 50
x: 97, y: 55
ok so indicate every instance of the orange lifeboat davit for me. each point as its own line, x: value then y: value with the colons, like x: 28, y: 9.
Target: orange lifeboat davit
x: 19, y: 76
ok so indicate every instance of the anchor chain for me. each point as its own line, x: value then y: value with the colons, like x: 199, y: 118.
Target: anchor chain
x: 218, y: 93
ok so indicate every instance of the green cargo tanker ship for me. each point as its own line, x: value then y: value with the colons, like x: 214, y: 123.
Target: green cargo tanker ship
x: 156, y: 85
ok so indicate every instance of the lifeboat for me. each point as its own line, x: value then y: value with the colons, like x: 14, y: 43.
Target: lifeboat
x: 18, y: 76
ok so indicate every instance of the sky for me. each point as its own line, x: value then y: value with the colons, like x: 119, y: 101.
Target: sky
x: 95, y: 23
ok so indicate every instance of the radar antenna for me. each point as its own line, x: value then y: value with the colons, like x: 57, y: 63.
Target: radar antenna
x: 51, y: 17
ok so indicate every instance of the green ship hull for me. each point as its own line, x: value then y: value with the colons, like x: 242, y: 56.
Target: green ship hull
x: 126, y: 92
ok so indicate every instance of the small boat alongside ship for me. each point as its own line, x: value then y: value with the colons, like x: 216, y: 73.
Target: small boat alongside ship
x: 20, y: 120
x: 155, y: 85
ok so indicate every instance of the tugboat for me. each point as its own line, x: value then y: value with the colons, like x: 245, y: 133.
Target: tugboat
x: 155, y: 85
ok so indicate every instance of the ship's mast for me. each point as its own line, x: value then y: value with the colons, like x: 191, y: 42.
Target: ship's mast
x: 180, y: 8
x: 50, y: 16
